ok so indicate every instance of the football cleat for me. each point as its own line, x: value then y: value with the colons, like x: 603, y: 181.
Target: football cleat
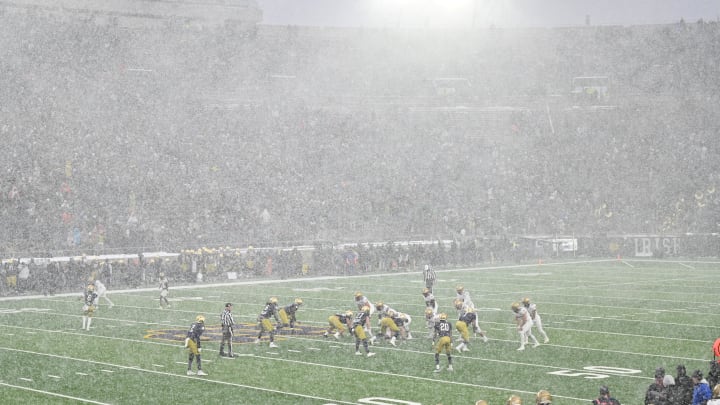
x: 357, y: 353
x: 437, y: 369
x: 272, y: 344
x: 547, y: 340
x: 370, y: 354
x: 521, y: 348
x: 190, y: 372
x: 484, y: 338
x: 200, y: 372
x: 257, y: 340
x: 336, y: 335
x: 392, y: 341
x: 450, y: 367
x: 325, y: 334
x: 536, y: 344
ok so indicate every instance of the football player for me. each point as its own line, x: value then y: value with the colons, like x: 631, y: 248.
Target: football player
x: 338, y: 322
x: 192, y: 343
x: 430, y: 301
x: 164, y: 291
x: 431, y: 319
x: 443, y: 341
x: 227, y: 323
x: 101, y: 291
x: 472, y: 320
x: 362, y: 301
x: 464, y: 296
x: 88, y: 297
x: 361, y: 323
x: 264, y: 324
x: 388, y: 325
x: 287, y: 314
x: 524, y: 325
x: 467, y: 317
x: 543, y: 397
x: 514, y: 400
x: 403, y: 321
x: 537, y: 321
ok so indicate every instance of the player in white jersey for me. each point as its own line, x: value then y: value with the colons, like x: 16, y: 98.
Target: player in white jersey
x: 463, y: 309
x: 431, y: 318
x: 101, y: 291
x: 524, y: 325
x: 430, y: 301
x: 406, y: 320
x: 535, y: 316
x: 464, y: 296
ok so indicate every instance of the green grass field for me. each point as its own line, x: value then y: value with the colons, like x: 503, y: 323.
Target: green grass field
x: 610, y: 322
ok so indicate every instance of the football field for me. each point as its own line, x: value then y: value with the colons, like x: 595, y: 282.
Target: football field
x: 610, y: 322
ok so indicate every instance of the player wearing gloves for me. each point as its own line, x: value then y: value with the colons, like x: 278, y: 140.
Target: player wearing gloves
x: 228, y: 324
x: 264, y: 324
x: 192, y: 343
x: 443, y: 341
x: 287, y: 313
x: 361, y: 323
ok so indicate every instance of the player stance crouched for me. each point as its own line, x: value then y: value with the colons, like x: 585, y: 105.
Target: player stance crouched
x: 287, y: 314
x: 443, y: 341
x: 338, y: 322
x: 89, y: 297
x: 192, y: 342
x: 360, y: 324
x: 387, y: 322
x: 264, y: 324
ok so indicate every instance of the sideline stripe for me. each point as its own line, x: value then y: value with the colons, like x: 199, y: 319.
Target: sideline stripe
x: 54, y: 394
x: 207, y: 380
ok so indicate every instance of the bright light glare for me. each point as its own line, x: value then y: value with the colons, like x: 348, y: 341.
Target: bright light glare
x: 439, y: 13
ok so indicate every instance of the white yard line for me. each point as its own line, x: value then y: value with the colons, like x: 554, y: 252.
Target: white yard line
x: 54, y: 394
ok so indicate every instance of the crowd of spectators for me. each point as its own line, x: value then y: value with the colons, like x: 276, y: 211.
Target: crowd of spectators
x: 122, y: 138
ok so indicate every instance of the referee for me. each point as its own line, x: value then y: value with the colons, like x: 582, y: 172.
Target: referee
x: 429, y: 277
x: 228, y: 323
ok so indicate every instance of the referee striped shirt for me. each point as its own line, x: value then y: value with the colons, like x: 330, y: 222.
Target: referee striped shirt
x: 226, y: 318
x: 429, y: 276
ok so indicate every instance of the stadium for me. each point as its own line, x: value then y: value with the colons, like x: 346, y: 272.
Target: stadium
x: 574, y: 165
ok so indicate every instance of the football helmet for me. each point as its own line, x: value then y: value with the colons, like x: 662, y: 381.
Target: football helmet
x: 358, y: 295
x: 543, y: 397
x: 349, y: 314
x: 391, y: 313
x: 298, y: 301
x: 426, y: 291
x: 526, y: 301
x: 366, y: 309
x: 515, y: 306
x: 429, y: 313
x: 514, y: 400
x: 161, y: 275
x: 272, y: 300
x: 604, y: 390
x: 443, y: 316
x: 458, y: 304
x: 200, y: 319
x: 379, y: 305
x: 460, y: 289
x: 91, y: 287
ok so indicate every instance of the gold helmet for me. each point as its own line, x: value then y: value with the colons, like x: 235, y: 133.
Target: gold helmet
x: 349, y: 313
x: 515, y: 306
x: 426, y: 291
x: 391, y: 313
x: 272, y: 300
x: 200, y: 319
x: 460, y: 288
x: 90, y: 287
x: 358, y: 295
x: 443, y: 316
x: 514, y: 400
x: 458, y: 304
x: 481, y: 402
x: 543, y: 397
x: 526, y: 301
x: 379, y: 305
x: 366, y: 309
x: 298, y: 301
x: 429, y: 313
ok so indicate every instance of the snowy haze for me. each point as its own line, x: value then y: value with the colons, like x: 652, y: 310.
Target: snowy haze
x: 483, y: 13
